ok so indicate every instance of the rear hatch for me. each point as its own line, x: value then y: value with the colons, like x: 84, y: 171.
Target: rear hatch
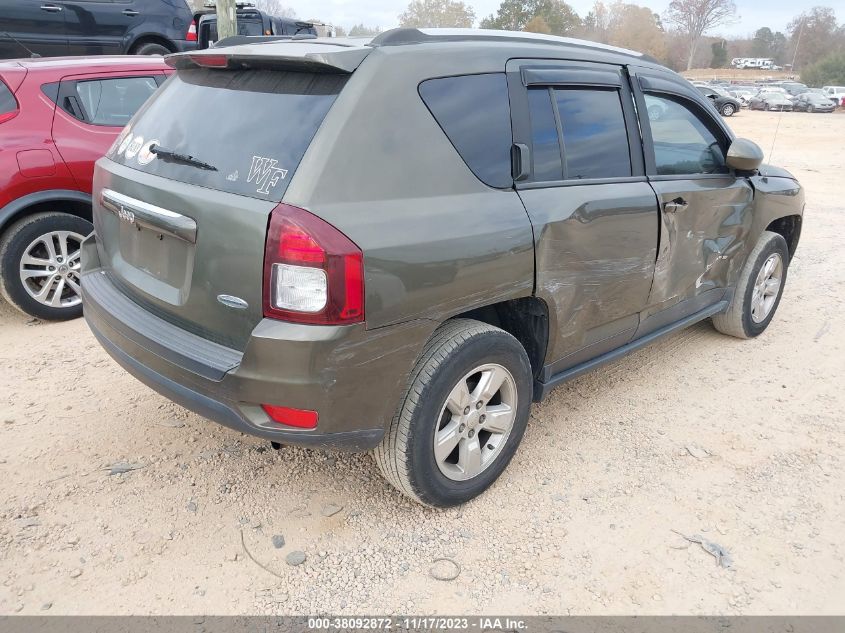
x: 186, y: 240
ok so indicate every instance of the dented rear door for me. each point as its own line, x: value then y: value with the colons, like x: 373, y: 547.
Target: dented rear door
x: 592, y: 209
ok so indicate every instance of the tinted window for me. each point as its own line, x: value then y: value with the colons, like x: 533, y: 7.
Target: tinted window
x: 683, y: 143
x: 595, y: 141
x: 544, y: 136
x: 592, y: 126
x: 474, y: 112
x: 114, y: 101
x: 253, y: 127
x: 7, y: 100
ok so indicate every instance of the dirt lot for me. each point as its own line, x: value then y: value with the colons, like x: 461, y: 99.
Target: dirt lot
x: 740, y: 443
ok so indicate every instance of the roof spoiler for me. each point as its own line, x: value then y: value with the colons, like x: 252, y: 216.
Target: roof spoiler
x: 290, y: 54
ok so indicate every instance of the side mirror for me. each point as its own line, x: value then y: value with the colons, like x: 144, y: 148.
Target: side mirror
x: 744, y: 155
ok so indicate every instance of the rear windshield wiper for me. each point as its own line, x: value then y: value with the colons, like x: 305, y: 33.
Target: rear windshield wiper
x: 168, y: 154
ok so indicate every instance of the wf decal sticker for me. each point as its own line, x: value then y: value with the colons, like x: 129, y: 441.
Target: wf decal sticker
x: 264, y: 173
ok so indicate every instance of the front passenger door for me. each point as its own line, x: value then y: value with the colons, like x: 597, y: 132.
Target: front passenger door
x: 705, y: 209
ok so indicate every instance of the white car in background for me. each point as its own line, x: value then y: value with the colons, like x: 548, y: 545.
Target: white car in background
x: 835, y: 94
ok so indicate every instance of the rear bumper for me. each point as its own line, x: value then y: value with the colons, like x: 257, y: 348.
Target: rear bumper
x: 352, y: 377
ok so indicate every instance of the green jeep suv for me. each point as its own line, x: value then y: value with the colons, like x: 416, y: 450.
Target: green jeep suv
x: 398, y: 245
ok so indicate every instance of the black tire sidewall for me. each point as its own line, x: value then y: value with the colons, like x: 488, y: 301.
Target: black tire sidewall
x: 14, y: 252
x: 151, y: 48
x: 776, y: 245
x: 432, y: 486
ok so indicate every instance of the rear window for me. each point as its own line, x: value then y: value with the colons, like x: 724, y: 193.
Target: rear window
x: 252, y: 127
x: 7, y: 99
x: 474, y: 112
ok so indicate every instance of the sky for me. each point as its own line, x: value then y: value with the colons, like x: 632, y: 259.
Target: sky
x: 752, y: 14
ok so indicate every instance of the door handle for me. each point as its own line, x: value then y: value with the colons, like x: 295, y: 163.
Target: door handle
x: 130, y: 13
x: 678, y: 204
x: 50, y: 8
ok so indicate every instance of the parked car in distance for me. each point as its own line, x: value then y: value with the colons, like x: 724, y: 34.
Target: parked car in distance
x: 724, y: 103
x: 81, y: 27
x: 251, y: 22
x: 413, y: 297
x: 813, y: 102
x: 771, y: 100
x: 742, y: 95
x: 58, y: 116
x: 836, y: 94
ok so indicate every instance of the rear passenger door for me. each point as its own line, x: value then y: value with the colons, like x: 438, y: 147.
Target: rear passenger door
x: 706, y: 209
x: 580, y: 174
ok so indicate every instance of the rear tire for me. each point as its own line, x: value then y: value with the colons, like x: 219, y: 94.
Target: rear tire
x: 475, y: 442
x: 151, y: 48
x: 756, y: 297
x: 20, y: 282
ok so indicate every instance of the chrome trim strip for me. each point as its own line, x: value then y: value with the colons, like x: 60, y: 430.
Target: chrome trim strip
x: 145, y: 214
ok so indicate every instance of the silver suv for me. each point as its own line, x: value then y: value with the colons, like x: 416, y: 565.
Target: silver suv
x: 398, y: 245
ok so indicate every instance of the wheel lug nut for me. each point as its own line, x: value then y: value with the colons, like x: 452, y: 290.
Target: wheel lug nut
x: 471, y: 433
x: 51, y: 268
x: 466, y: 410
x: 479, y: 404
x: 481, y: 418
x: 59, y: 259
x: 461, y: 428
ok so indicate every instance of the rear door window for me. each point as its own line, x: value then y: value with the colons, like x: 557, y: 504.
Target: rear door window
x: 112, y: 102
x: 474, y: 112
x: 578, y: 133
x: 7, y: 100
x: 250, y: 127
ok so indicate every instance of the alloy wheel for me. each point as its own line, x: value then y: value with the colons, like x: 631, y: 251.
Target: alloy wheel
x: 50, y: 269
x: 475, y: 422
x: 766, y: 288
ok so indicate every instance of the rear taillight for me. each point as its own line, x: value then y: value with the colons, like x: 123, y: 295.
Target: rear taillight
x: 313, y: 273
x: 191, y: 35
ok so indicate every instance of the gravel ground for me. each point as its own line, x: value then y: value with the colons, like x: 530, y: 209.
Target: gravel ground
x: 735, y: 445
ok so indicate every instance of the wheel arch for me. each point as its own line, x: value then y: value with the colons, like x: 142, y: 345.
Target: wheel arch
x: 788, y: 226
x: 73, y: 202
x: 149, y: 38
x: 526, y: 319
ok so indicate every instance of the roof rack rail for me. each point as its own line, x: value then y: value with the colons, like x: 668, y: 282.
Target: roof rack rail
x: 404, y: 36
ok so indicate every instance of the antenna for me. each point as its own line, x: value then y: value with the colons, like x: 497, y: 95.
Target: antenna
x: 794, y: 57
x: 19, y: 43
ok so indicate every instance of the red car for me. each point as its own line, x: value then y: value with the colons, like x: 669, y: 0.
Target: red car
x: 57, y: 117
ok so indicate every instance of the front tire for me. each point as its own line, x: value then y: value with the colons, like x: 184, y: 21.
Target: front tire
x: 39, y: 265
x: 728, y: 110
x: 462, y: 416
x: 758, y: 290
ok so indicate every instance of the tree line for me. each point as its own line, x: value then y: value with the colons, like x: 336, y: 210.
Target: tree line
x: 682, y: 37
